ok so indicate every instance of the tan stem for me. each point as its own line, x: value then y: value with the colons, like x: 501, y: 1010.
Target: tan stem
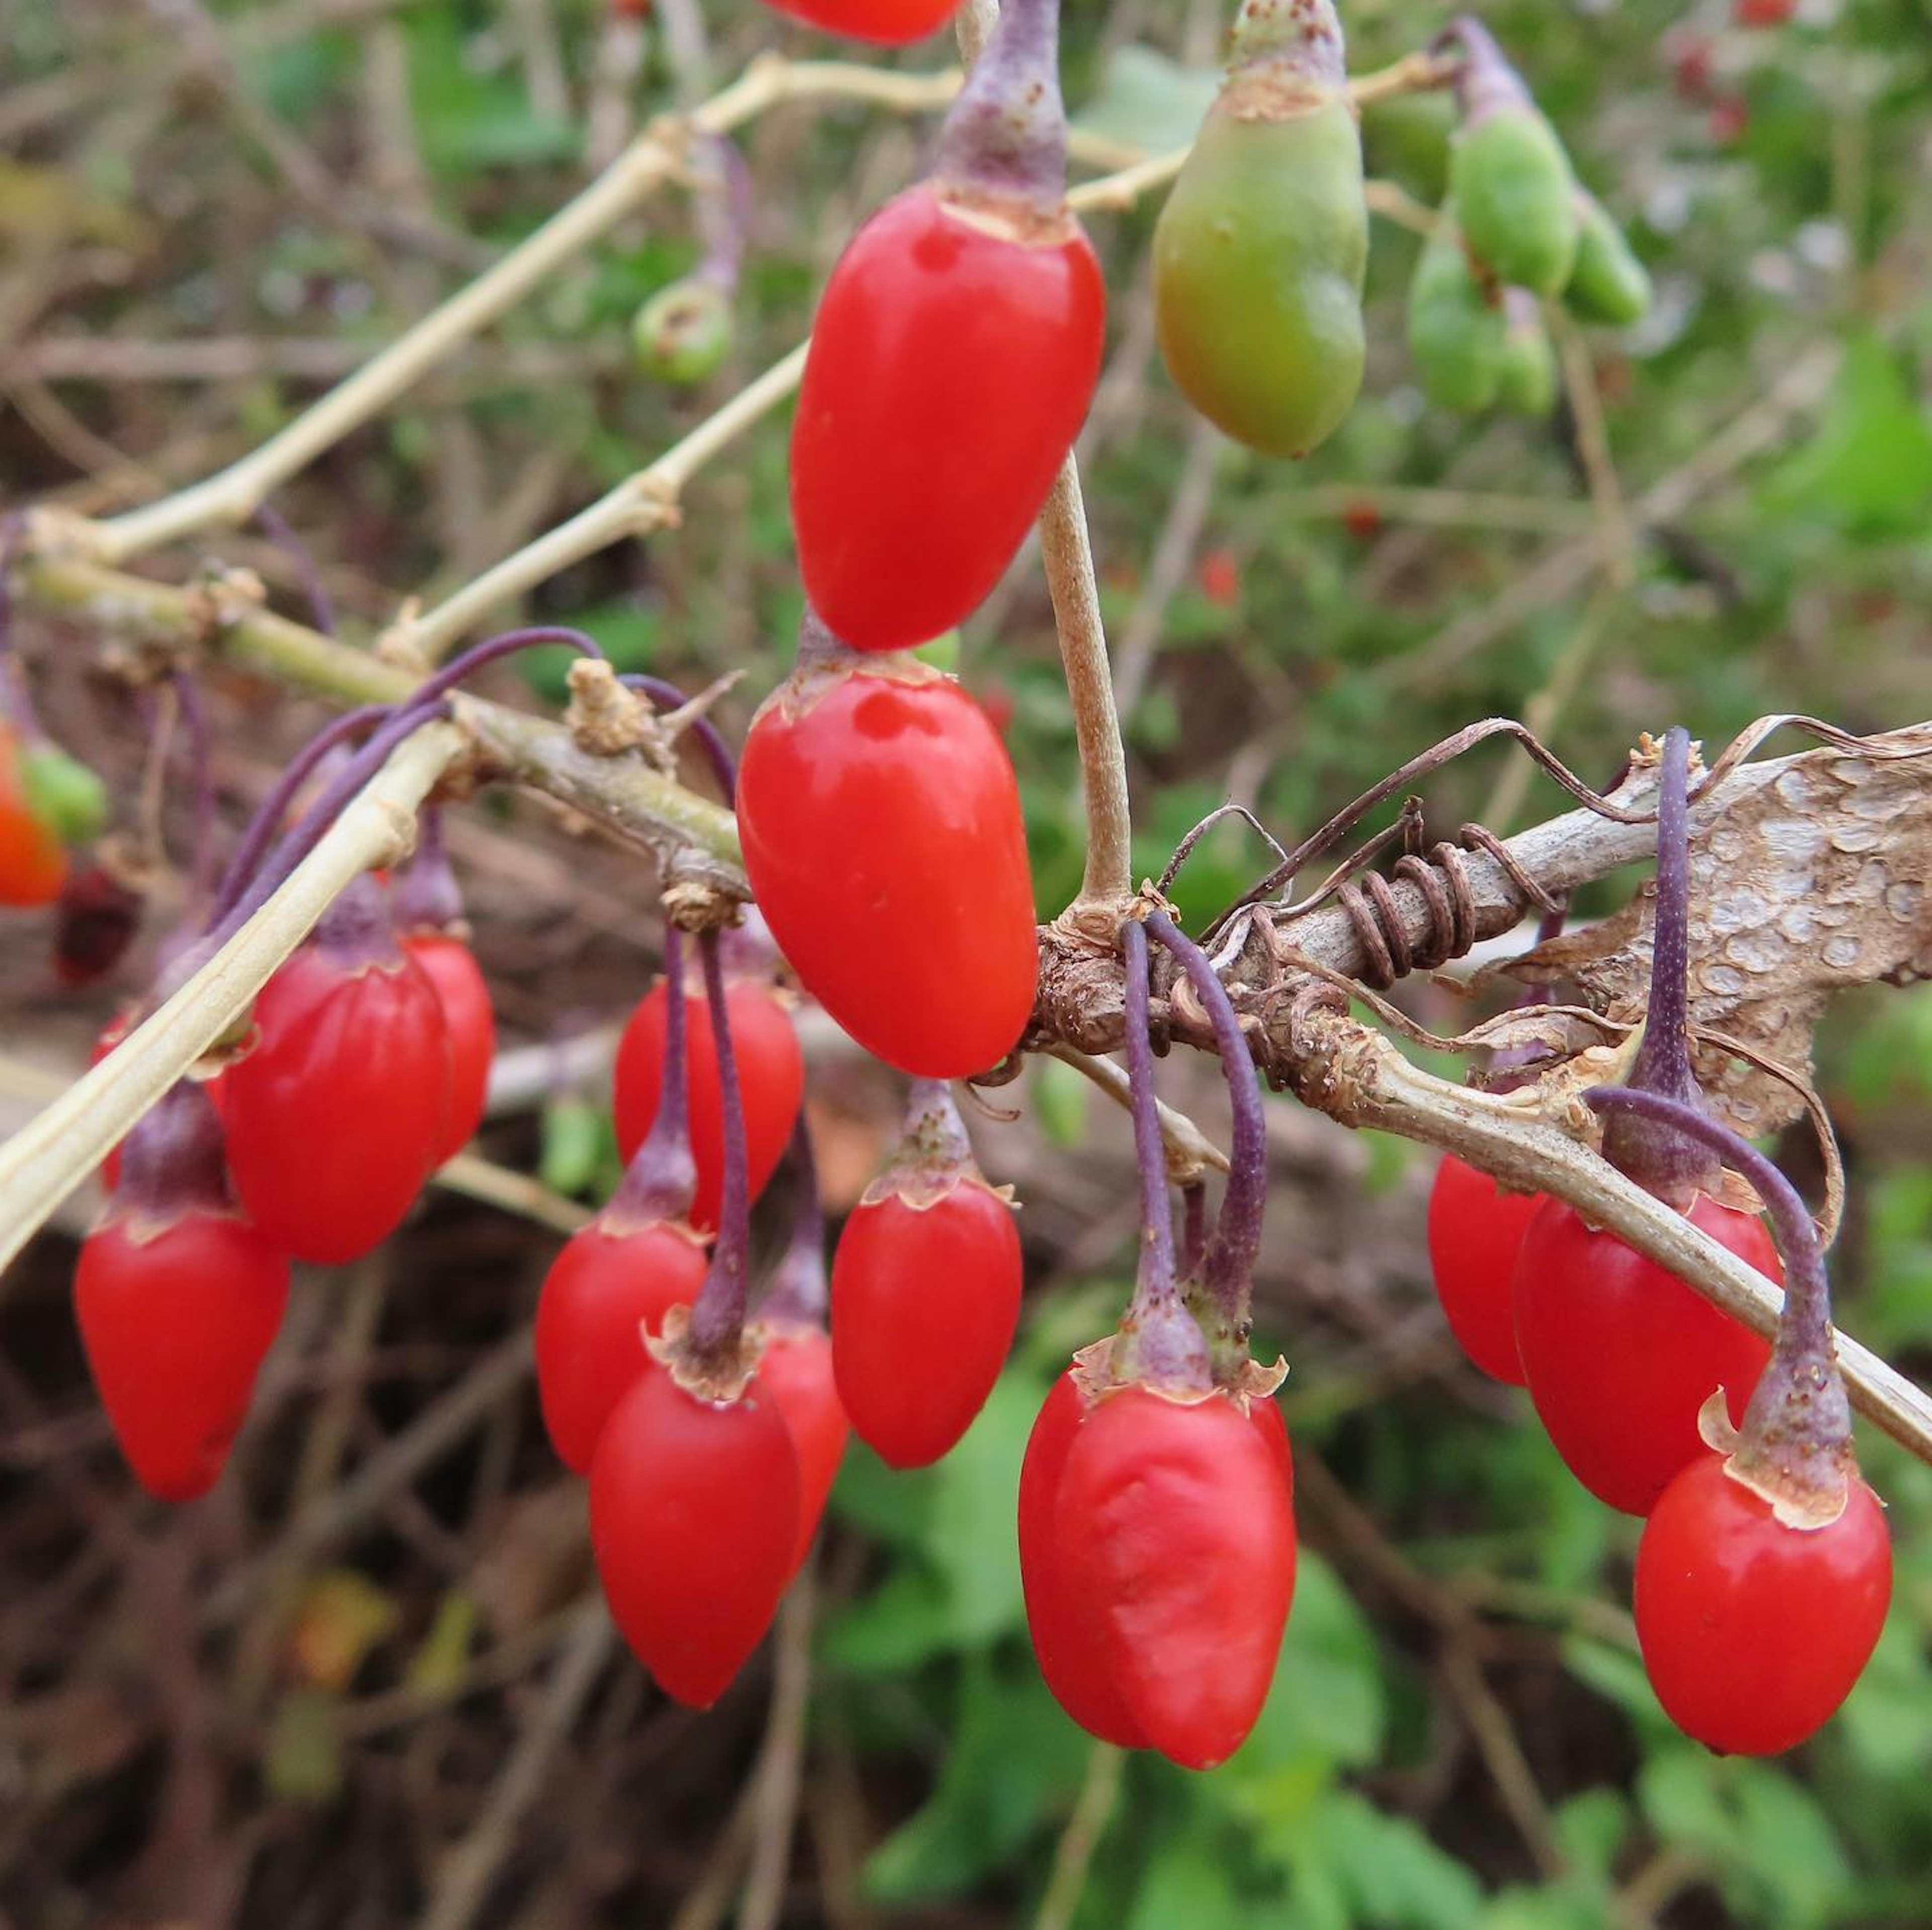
x: 43, y: 1162
x: 233, y: 495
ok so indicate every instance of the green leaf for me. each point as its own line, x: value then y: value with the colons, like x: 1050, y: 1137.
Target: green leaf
x: 1014, y: 1760
x: 1146, y: 101
x: 1383, y: 1870
x: 1060, y: 1096
x: 1868, y: 471
x: 1327, y: 1708
x: 1189, y: 1882
x: 958, y: 1585
x: 303, y: 1761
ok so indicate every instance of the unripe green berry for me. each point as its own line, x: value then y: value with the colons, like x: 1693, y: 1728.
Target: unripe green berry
x: 1457, y: 328
x: 1517, y: 197
x: 1527, y: 380
x: 63, y: 794
x: 1608, y: 283
x: 684, y: 332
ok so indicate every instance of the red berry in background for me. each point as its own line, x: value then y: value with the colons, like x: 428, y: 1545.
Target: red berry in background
x: 1729, y: 120
x: 470, y: 1025
x: 695, y: 1523
x: 1753, y: 1632
x: 771, y: 1073
x: 614, y: 1280
x: 33, y: 861
x: 1762, y: 12
x: 880, y: 824
x: 337, y: 1115
x: 925, y: 1291
x: 96, y: 921
x: 1363, y: 521
x: 887, y: 22
x: 1475, y: 1229
x: 1620, y: 1355
x: 1075, y: 1665
x: 953, y: 361
x: 178, y: 1299
x: 1175, y: 1527
x: 795, y: 1370
x: 1219, y: 577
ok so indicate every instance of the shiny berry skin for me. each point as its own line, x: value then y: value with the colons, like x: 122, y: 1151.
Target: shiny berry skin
x: 1475, y: 1228
x: 336, y: 1116
x: 609, y: 1283
x: 887, y: 22
x: 695, y: 1523
x: 33, y: 861
x: 1753, y: 1632
x: 795, y: 1370
x: 176, y: 1321
x: 951, y: 366
x: 1175, y: 1527
x: 882, y: 834
x: 771, y: 1081
x: 924, y: 1299
x: 1072, y: 1662
x: 1620, y: 1355
x: 470, y: 1023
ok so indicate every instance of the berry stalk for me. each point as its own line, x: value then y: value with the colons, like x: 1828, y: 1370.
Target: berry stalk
x: 1228, y: 1264
x: 666, y: 696
x: 1005, y: 136
x: 1160, y: 1341
x: 1646, y: 1147
x: 1795, y: 1443
x: 797, y: 1291
x: 661, y: 1179
x: 718, y: 1318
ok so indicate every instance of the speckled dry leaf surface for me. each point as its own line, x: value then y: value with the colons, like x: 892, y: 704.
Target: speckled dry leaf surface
x: 1801, y: 889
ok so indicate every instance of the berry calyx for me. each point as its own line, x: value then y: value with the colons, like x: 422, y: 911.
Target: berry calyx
x: 926, y: 1290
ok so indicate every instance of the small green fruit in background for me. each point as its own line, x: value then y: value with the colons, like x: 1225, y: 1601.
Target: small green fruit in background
x: 1527, y: 380
x: 1457, y: 331
x: 1510, y: 175
x: 1608, y: 283
x: 1260, y: 252
x: 684, y: 332
x: 63, y: 794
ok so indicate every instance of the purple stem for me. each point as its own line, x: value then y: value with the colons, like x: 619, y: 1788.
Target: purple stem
x: 1227, y: 1267
x: 321, y: 610
x: 1005, y: 135
x: 427, y: 897
x: 172, y: 1161
x: 719, y: 1315
x: 1487, y: 81
x: 1799, y: 1411
x: 194, y: 717
x: 267, y: 822
x: 418, y: 707
x: 798, y: 1293
x: 1163, y: 1342
x: 668, y: 696
x: 724, y: 215
x: 661, y: 1179
x: 1659, y: 1159
x: 340, y: 790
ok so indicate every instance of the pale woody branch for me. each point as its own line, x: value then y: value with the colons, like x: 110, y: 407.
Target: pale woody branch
x: 43, y: 1162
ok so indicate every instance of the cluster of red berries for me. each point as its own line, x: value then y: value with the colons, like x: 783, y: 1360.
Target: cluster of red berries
x: 365, y: 1069
x: 1642, y: 1384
